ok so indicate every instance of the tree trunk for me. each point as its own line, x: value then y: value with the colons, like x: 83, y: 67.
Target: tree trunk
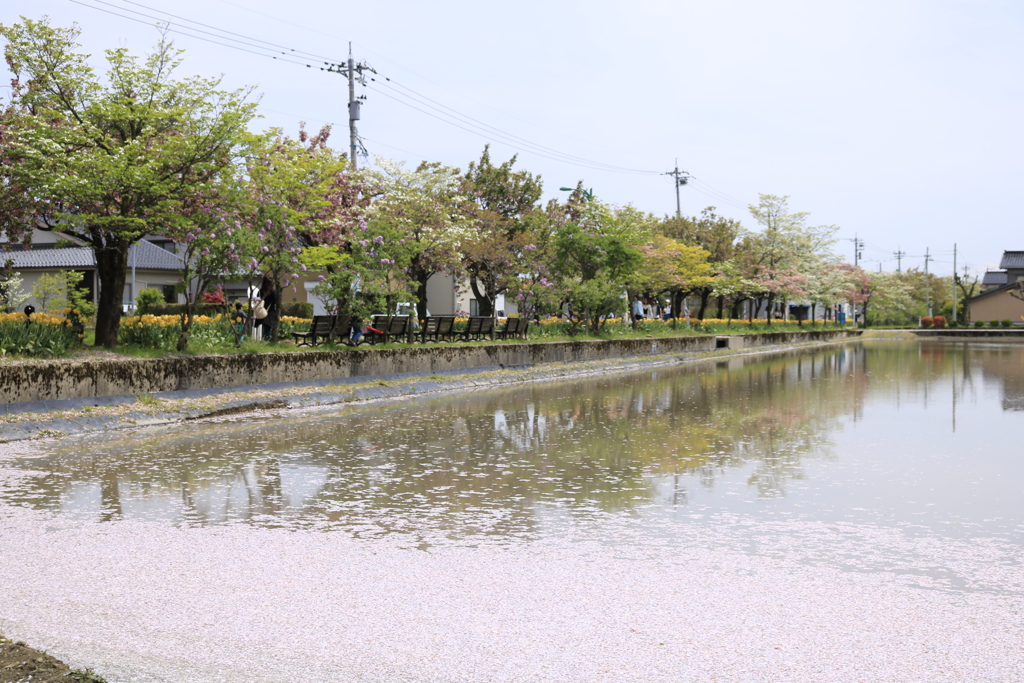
x: 111, y: 267
x: 768, y: 309
x: 721, y: 306
x: 482, y: 298
x: 705, y: 294
x: 421, y: 296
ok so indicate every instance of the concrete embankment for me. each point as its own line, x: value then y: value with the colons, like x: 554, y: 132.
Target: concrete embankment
x: 71, y: 379
x: 65, y: 417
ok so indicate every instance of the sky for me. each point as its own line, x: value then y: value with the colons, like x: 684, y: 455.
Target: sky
x: 897, y: 120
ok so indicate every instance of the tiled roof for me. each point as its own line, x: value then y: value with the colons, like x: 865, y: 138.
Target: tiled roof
x: 147, y: 256
x: 1013, y: 260
x: 994, y: 277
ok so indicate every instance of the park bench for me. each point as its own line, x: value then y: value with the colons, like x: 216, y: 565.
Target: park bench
x: 438, y: 328
x: 320, y: 328
x: 514, y: 327
x: 478, y: 327
x: 397, y: 326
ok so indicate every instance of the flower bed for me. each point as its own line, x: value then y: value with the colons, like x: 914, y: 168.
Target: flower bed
x: 41, y: 334
x: 162, y: 331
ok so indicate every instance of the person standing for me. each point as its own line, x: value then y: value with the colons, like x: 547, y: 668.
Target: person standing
x: 638, y: 310
x: 238, y: 319
x: 260, y: 329
x: 271, y: 303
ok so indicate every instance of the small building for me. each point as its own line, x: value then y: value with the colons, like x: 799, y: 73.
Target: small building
x: 1000, y: 291
x: 1000, y: 303
x: 153, y: 267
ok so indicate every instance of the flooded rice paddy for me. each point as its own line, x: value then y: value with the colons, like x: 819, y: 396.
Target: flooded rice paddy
x: 852, y: 513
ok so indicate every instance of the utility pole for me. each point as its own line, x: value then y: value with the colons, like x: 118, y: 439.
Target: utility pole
x: 927, y: 282
x: 355, y: 73
x: 353, y: 109
x: 899, y: 254
x: 955, y: 317
x: 681, y: 178
x: 858, y: 244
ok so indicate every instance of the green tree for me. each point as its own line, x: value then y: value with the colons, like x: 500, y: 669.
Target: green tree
x: 594, y: 259
x: 50, y: 290
x: 715, y: 234
x: 673, y: 267
x: 505, y: 204
x: 108, y: 160
x: 424, y: 218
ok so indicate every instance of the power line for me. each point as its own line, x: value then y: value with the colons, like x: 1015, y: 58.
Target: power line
x: 388, y: 83
x: 180, y: 31
x: 481, y: 131
x: 220, y: 30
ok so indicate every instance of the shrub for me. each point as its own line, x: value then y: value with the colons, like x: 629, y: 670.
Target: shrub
x: 1005, y: 323
x: 214, y: 297
x: 146, y: 299
x: 297, y: 309
x: 926, y: 322
x: 953, y: 323
x: 939, y: 321
x: 979, y: 323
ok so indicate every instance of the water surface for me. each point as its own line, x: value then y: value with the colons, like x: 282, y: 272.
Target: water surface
x: 918, y: 436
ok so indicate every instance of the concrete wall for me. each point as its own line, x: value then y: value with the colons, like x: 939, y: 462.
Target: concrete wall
x: 49, y: 380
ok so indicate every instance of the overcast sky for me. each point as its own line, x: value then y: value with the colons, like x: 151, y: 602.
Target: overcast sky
x: 898, y: 120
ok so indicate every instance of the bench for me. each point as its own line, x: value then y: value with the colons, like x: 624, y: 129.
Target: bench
x: 397, y: 326
x: 514, y: 327
x: 321, y: 328
x: 478, y: 327
x: 438, y: 328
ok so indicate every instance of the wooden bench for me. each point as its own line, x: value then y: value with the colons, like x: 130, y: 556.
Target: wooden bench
x: 398, y: 326
x: 514, y: 327
x: 438, y: 328
x: 320, y: 328
x: 478, y: 327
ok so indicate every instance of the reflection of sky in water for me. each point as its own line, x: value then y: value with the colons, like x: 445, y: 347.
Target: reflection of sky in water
x: 920, y: 436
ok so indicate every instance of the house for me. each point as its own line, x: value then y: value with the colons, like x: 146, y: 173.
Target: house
x: 148, y: 266
x: 992, y: 279
x: 1001, y: 289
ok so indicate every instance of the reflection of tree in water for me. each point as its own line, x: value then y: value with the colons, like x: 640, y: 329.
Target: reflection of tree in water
x: 494, y: 462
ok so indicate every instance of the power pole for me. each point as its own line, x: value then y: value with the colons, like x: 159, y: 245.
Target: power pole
x: 927, y: 282
x: 955, y: 318
x: 681, y: 178
x: 899, y: 254
x: 355, y: 73
x: 858, y: 244
x: 353, y: 109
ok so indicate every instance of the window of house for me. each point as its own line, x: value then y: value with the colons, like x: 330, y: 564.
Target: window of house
x: 474, y: 307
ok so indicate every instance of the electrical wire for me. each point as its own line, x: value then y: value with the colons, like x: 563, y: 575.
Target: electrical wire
x: 180, y: 31
x: 528, y: 148
x: 391, y: 82
x: 220, y: 30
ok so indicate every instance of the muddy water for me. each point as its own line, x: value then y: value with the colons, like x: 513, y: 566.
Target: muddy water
x: 925, y: 437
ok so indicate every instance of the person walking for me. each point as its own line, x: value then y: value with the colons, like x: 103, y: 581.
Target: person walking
x: 638, y: 310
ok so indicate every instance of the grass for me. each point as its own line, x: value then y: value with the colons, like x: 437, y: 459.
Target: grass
x: 148, y: 400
